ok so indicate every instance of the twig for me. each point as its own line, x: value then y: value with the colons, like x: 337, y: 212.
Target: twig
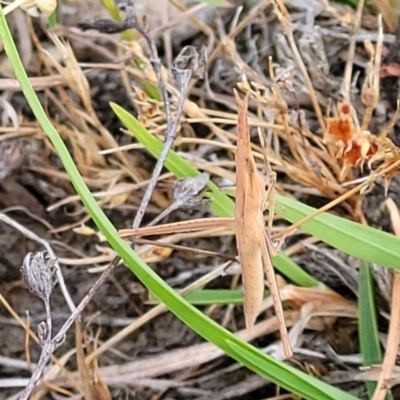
x: 183, y: 76
x: 49, y: 345
x: 184, y: 68
x: 183, y: 248
x: 186, y: 193
x: 352, y: 46
x: 339, y: 200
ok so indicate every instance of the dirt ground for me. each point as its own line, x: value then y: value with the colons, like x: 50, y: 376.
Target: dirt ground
x: 36, y: 194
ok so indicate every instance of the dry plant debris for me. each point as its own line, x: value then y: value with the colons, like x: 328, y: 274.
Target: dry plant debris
x: 326, y: 132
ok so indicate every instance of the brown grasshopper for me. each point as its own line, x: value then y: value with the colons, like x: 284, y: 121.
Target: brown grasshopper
x: 253, y: 241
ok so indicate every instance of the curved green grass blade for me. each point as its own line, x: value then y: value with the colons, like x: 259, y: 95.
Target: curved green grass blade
x: 286, y: 376
x: 358, y: 240
x: 216, y: 296
x: 286, y: 266
x: 252, y: 357
x: 207, y: 297
x: 221, y: 206
x: 52, y: 20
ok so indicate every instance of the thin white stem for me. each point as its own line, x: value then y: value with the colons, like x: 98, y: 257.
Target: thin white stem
x: 18, y: 3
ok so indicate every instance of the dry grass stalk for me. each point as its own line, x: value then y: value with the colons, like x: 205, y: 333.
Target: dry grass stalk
x: 370, y: 90
x: 250, y: 229
x: 41, y: 285
x: 352, y: 48
x: 93, y: 386
x: 183, y: 226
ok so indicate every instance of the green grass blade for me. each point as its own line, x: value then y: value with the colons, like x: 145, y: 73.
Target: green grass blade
x: 286, y: 266
x: 358, y: 240
x: 286, y: 376
x: 216, y: 296
x: 52, y: 20
x: 221, y: 206
x: 252, y: 358
x: 368, y: 328
x: 207, y: 297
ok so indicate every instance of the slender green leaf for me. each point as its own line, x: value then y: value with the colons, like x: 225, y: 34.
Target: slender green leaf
x: 52, y: 20
x: 253, y: 358
x: 213, y: 296
x: 368, y: 328
x: 286, y: 266
x: 358, y: 240
x: 216, y: 296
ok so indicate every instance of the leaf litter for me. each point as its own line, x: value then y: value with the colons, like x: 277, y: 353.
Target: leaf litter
x: 325, y: 131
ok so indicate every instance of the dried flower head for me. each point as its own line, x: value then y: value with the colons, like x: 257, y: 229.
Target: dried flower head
x: 39, y: 273
x: 356, y: 146
x: 188, y: 190
x: 192, y: 61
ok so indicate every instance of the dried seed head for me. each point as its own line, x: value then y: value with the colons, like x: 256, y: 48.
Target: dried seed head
x: 70, y: 70
x: 191, y: 60
x: 39, y: 273
x: 186, y: 190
